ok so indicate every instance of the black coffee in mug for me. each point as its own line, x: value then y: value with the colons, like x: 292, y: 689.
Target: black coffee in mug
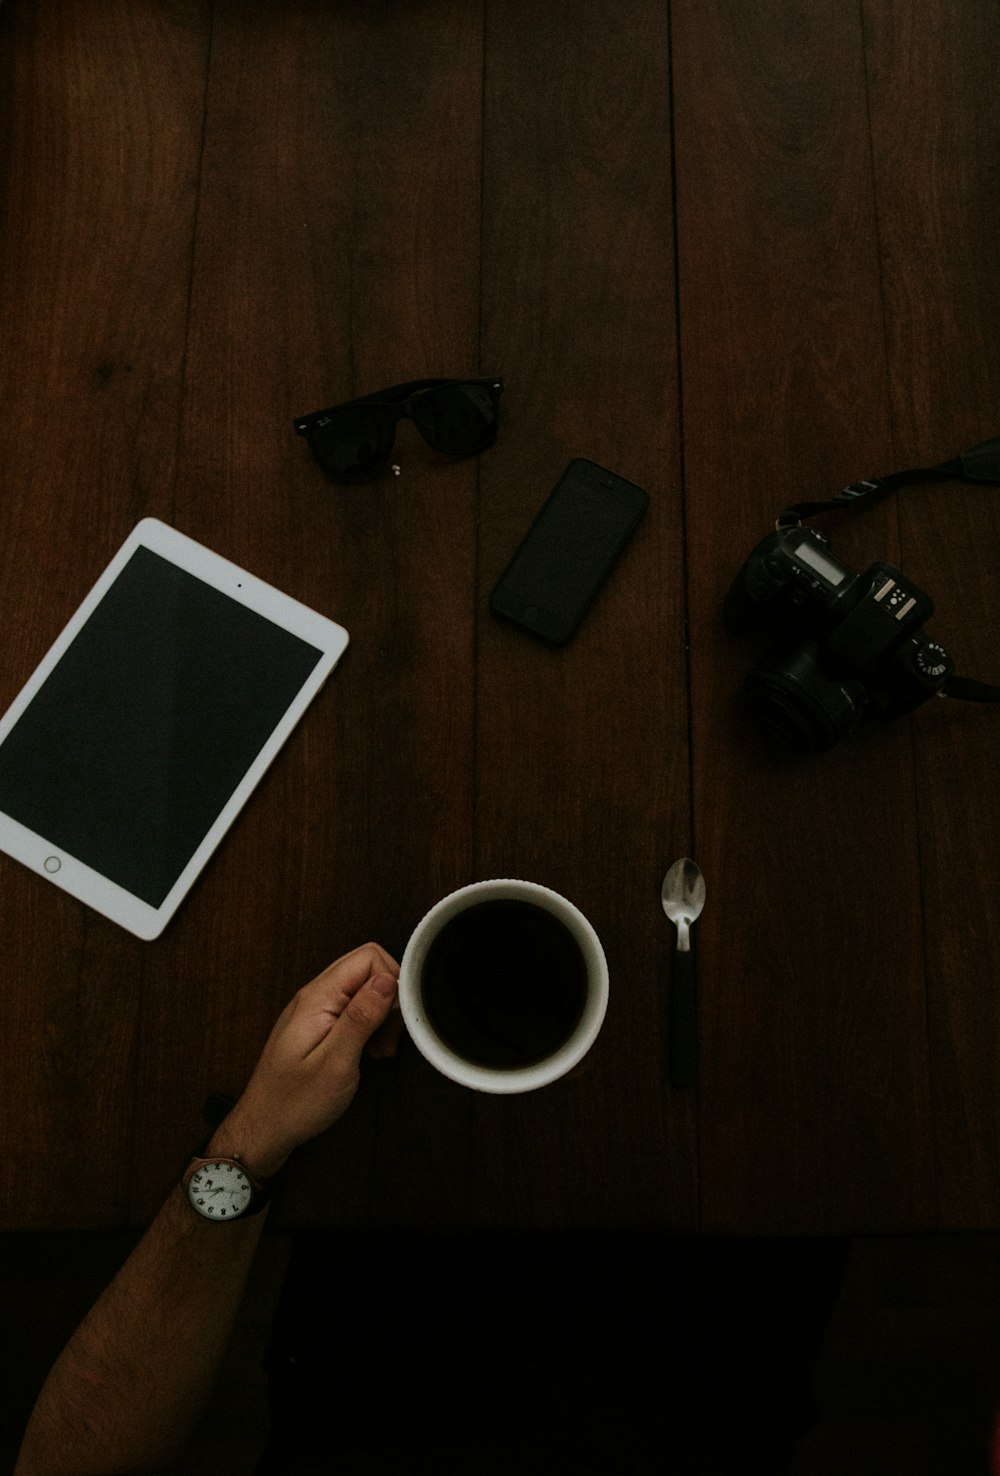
x: 504, y: 984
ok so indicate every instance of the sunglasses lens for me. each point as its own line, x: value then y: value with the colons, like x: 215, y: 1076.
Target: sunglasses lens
x: 458, y: 419
x: 354, y: 444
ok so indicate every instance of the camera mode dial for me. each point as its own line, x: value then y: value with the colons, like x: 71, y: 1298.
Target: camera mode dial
x: 932, y: 661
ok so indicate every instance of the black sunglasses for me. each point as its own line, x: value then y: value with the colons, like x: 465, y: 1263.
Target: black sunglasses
x: 353, y: 442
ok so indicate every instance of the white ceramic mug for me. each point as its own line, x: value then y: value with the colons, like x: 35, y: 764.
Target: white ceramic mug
x: 502, y: 1079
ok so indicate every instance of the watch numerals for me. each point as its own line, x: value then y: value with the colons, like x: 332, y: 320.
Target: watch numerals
x: 236, y: 1191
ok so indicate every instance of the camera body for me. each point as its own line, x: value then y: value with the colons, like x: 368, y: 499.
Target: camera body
x: 848, y: 643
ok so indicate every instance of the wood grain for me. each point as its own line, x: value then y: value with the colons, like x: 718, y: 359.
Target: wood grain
x: 337, y: 252
x: 101, y: 127
x: 938, y: 199
x: 742, y: 256
x: 815, y: 1100
x: 582, y: 764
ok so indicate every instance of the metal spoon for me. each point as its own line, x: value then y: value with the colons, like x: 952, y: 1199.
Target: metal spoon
x: 683, y: 897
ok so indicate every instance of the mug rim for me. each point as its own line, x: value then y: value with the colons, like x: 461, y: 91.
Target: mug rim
x: 492, y: 1078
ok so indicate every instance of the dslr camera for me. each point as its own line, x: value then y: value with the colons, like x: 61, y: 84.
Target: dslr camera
x: 847, y: 643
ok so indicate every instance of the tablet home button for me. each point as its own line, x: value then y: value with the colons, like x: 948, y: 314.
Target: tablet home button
x: 52, y: 863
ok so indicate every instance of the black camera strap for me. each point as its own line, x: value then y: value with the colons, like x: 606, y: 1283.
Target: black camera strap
x: 979, y: 464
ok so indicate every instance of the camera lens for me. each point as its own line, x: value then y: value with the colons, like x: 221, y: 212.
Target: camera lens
x: 800, y: 704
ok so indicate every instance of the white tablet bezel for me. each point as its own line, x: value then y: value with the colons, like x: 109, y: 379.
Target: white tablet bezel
x: 81, y: 881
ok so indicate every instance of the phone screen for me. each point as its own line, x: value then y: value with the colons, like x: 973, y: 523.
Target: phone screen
x: 569, y: 551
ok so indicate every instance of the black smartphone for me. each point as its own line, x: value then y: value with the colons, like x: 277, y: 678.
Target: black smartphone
x: 569, y: 551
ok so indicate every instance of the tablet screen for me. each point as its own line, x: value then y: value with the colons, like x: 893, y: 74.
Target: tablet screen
x: 143, y: 730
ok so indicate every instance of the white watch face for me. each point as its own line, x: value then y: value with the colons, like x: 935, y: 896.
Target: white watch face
x: 220, y: 1191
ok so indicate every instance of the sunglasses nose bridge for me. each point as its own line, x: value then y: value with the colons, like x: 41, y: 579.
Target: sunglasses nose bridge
x: 396, y: 425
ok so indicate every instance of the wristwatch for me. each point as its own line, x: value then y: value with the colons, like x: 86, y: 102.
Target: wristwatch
x: 223, y: 1189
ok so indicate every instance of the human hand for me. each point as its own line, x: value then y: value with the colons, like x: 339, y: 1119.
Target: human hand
x: 310, y: 1067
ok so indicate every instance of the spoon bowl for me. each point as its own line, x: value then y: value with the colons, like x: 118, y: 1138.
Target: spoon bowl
x: 683, y: 897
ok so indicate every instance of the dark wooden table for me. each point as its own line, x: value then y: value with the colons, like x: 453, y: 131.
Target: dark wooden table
x: 739, y: 254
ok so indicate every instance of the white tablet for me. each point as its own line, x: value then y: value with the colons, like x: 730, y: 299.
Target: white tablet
x: 135, y: 743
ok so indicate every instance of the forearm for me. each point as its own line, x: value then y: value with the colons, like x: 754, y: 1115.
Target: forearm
x: 127, y: 1391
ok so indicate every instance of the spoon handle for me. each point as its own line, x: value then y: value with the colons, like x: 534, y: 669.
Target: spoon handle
x: 682, y: 1022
